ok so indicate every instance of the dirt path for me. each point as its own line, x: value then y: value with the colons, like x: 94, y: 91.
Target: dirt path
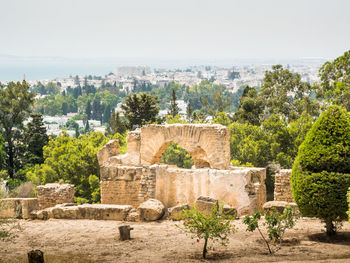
x: 98, y: 241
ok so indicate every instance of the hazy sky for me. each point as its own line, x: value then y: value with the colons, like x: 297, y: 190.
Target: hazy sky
x: 177, y: 29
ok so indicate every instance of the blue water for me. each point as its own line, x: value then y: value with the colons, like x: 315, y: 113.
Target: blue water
x: 14, y: 71
x: 13, y: 68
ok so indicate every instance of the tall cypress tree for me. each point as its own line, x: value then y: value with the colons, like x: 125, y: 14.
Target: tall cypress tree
x: 189, y: 112
x: 107, y: 114
x: 88, y: 110
x: 174, y: 109
x: 116, y: 124
x: 36, y: 138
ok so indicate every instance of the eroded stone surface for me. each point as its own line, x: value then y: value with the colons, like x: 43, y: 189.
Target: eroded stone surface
x: 136, y: 176
x: 18, y: 207
x: 110, y: 149
x: 283, y: 189
x: 86, y: 211
x: 208, y: 144
x: 279, y: 206
x: 175, y: 211
x: 151, y: 210
x: 50, y: 195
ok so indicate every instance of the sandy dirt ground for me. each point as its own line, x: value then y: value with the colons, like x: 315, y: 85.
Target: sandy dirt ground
x: 98, y: 241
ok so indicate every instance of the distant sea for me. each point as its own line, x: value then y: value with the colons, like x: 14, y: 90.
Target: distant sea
x: 13, y: 68
x: 49, y: 70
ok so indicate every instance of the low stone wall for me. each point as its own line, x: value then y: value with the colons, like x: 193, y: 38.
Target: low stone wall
x: 127, y: 185
x: 18, y: 207
x: 244, y: 188
x: 50, y: 195
x: 283, y: 189
x: 86, y: 211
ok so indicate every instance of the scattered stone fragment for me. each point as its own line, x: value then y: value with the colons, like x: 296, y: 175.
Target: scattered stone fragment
x: 151, y: 210
x: 279, y: 206
x: 175, y: 211
x: 205, y: 204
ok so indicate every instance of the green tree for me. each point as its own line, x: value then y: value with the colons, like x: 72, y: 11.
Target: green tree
x: 216, y: 226
x: 189, y: 112
x: 285, y: 93
x: 116, y: 124
x: 251, y: 107
x: 178, y: 156
x: 335, y: 81
x: 52, y: 88
x: 107, y: 114
x: 321, y: 172
x: 2, y: 152
x: 88, y: 110
x: 35, y: 138
x: 222, y: 118
x: 64, y: 108
x: 232, y: 75
x: 140, y: 109
x: 15, y: 102
x: 174, y: 109
x: 74, y: 161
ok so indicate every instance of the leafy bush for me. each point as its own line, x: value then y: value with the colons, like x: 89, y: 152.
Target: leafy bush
x: 216, y: 226
x: 276, y: 224
x: 74, y: 161
x: 321, y: 172
x: 178, y: 156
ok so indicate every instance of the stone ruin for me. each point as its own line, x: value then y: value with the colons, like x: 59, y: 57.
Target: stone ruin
x: 282, y: 196
x: 138, y: 175
x: 283, y: 188
x: 50, y: 195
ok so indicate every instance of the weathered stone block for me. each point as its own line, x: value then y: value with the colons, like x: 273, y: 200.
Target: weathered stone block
x: 18, y: 207
x: 151, y: 210
x: 175, y: 211
x: 50, y: 195
x: 110, y: 149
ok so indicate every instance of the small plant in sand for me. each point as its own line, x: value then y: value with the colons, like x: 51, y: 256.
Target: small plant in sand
x: 276, y: 224
x: 216, y: 226
x: 7, y: 227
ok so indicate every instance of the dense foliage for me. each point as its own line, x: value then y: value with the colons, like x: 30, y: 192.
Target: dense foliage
x: 178, y: 156
x: 321, y: 171
x: 74, y: 161
x: 15, y: 100
x: 335, y: 81
x: 275, y: 140
x: 140, y: 109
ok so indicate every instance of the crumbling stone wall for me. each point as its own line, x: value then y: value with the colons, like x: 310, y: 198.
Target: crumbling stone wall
x: 50, y: 195
x: 283, y: 189
x: 136, y: 176
x: 17, y: 207
x: 127, y: 185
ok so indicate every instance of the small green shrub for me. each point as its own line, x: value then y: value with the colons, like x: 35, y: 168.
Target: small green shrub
x: 216, y: 226
x: 275, y: 223
x: 321, y: 172
x: 7, y: 227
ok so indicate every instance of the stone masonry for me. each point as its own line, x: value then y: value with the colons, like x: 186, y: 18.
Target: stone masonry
x: 50, y: 195
x: 134, y: 177
x: 283, y: 189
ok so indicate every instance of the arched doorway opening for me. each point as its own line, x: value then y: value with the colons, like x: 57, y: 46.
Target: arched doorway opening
x: 178, y: 156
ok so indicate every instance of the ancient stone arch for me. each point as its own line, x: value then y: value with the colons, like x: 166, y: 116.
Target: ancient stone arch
x: 136, y: 176
x: 209, y: 145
